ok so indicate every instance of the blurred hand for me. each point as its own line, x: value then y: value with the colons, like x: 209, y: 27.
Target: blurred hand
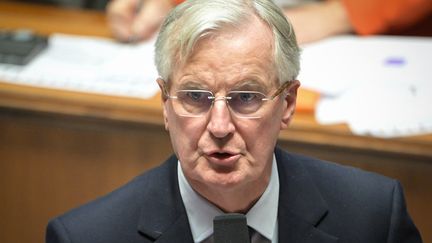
x: 131, y: 20
x: 316, y: 21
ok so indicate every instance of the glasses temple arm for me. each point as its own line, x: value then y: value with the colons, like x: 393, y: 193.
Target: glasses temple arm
x: 281, y: 89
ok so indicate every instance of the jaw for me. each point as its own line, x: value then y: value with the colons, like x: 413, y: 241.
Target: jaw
x: 232, y: 190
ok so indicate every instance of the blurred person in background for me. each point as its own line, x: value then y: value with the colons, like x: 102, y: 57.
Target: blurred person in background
x: 137, y: 20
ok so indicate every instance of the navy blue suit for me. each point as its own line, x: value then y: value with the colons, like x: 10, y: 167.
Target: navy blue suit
x: 319, y: 202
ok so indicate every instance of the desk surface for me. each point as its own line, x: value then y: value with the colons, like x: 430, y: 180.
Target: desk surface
x: 46, y: 20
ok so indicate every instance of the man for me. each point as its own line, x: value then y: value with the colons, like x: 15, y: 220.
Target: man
x: 228, y: 73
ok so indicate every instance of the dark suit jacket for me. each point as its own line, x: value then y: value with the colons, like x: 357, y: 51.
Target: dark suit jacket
x: 319, y: 202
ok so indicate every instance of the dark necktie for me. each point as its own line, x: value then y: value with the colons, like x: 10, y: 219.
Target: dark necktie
x: 251, y: 233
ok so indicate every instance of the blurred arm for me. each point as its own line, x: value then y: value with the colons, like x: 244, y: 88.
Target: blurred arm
x: 136, y: 20
x: 318, y: 20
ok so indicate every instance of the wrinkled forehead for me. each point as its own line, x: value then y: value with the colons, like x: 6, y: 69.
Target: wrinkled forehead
x: 229, y: 58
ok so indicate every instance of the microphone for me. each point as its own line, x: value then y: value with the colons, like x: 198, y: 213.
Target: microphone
x: 230, y: 228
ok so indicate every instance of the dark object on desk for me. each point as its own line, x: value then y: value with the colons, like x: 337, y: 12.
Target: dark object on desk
x: 21, y: 46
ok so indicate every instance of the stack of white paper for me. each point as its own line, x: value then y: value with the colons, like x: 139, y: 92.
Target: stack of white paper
x: 380, y: 86
x: 89, y: 64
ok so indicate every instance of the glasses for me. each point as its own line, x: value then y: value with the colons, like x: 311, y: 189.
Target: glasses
x: 244, y: 104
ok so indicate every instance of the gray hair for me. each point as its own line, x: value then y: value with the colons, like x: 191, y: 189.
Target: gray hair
x: 192, y: 20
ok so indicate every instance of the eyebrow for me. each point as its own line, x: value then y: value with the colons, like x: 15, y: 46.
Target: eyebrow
x: 244, y: 85
x: 192, y: 85
x: 250, y: 85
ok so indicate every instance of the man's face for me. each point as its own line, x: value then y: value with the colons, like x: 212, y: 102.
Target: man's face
x: 219, y: 150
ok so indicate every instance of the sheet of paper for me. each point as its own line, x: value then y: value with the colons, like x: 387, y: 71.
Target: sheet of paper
x: 393, y: 96
x: 90, y: 64
x: 334, y: 65
x: 402, y: 110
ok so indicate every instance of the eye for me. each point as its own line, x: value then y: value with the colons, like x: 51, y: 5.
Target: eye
x: 196, y: 95
x: 245, y: 97
x: 245, y: 102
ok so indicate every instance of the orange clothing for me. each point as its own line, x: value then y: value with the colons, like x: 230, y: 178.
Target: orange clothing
x: 176, y: 2
x: 388, y: 16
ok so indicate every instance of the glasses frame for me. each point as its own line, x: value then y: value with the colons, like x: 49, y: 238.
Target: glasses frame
x: 213, y: 98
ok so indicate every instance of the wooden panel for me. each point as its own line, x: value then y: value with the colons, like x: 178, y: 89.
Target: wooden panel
x: 50, y: 164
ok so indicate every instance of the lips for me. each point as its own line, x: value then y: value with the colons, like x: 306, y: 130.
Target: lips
x: 222, y: 158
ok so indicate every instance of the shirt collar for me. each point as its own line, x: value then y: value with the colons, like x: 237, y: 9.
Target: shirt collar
x: 262, y: 217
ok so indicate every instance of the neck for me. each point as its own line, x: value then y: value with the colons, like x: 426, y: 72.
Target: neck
x: 234, y: 200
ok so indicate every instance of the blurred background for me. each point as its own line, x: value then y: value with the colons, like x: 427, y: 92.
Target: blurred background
x: 80, y: 110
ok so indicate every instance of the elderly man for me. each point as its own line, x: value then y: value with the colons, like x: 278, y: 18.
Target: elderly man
x: 228, y: 78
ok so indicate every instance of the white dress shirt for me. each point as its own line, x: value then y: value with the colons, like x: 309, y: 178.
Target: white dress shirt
x: 262, y: 217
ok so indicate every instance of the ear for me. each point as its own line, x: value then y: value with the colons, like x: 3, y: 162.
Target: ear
x: 162, y: 86
x: 290, y: 103
x: 164, y: 99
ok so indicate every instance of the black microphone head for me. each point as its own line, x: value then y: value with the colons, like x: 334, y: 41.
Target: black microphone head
x: 230, y: 228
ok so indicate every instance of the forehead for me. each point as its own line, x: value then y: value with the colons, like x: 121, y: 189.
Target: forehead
x: 231, y: 56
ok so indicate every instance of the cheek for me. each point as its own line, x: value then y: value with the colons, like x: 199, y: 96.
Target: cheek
x: 261, y: 136
x: 185, y: 134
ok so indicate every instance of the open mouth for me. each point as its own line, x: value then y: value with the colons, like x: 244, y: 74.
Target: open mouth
x: 221, y: 155
x: 223, y: 162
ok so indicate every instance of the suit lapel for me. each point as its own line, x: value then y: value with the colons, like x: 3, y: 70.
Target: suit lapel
x: 301, y: 206
x: 163, y: 216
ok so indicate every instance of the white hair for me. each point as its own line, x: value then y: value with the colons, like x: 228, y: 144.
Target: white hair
x: 192, y: 20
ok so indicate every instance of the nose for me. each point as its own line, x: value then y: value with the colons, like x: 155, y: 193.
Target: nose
x: 220, y: 124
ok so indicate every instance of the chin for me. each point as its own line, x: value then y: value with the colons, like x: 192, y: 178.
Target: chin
x: 227, y: 181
